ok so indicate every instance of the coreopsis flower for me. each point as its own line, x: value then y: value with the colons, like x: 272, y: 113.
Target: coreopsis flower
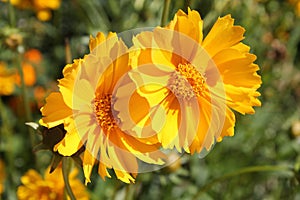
x: 7, y: 80
x: 84, y: 105
x: 51, y: 186
x: 192, y: 83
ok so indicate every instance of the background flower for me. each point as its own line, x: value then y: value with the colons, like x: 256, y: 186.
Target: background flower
x: 51, y: 186
x: 7, y: 80
x: 42, y: 8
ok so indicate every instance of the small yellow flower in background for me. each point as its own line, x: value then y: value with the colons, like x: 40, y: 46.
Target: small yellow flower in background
x: 83, y: 105
x: 49, y: 187
x: 7, y: 80
x: 195, y: 81
x: 2, y: 176
x: 44, y: 15
x: 41, y: 7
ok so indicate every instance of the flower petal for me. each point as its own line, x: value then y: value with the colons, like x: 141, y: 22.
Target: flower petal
x: 223, y: 35
x: 69, y: 145
x: 55, y: 111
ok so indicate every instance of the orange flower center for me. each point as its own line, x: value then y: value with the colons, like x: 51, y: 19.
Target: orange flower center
x: 104, y: 113
x: 187, y: 82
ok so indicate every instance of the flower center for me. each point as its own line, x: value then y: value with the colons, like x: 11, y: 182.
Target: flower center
x: 187, y: 82
x: 103, y: 112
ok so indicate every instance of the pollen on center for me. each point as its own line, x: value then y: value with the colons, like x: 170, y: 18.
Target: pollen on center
x: 105, y: 118
x: 186, y: 82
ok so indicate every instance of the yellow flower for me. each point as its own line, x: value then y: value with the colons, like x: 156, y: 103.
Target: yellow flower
x: 50, y: 187
x: 83, y: 105
x: 192, y: 83
x: 7, y: 80
x: 53, y: 4
x: 44, y: 15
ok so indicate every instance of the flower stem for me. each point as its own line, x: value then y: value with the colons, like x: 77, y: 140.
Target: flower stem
x: 66, y: 162
x: 7, y: 141
x: 11, y: 14
x: 245, y: 170
x: 129, y: 192
x: 28, y: 115
x: 165, y: 14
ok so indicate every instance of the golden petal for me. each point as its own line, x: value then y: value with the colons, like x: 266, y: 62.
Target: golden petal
x: 223, y: 35
x: 55, y: 111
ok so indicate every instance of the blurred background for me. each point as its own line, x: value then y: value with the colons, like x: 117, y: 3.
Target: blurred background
x: 261, y: 161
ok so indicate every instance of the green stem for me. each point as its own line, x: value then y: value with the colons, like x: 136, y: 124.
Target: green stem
x: 26, y: 105
x: 129, y: 192
x: 23, y: 90
x: 8, y: 143
x: 11, y: 14
x: 66, y: 165
x: 165, y: 14
x: 246, y: 170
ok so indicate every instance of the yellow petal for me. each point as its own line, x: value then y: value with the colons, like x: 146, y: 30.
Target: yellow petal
x: 168, y: 135
x: 223, y: 35
x: 149, y: 153
x: 88, y: 163
x: 242, y: 99
x: 102, y: 171
x: 228, y: 127
x: 123, y: 162
x: 30, y: 177
x: 189, y: 24
x: 207, y: 128
x: 99, y: 39
x: 55, y: 111
x: 154, y: 50
x: 69, y: 145
x: 66, y: 84
x: 82, y: 96
x: 237, y: 68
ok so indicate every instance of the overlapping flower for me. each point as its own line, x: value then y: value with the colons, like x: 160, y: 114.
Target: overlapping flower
x: 83, y: 105
x: 172, y: 88
x: 196, y: 81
